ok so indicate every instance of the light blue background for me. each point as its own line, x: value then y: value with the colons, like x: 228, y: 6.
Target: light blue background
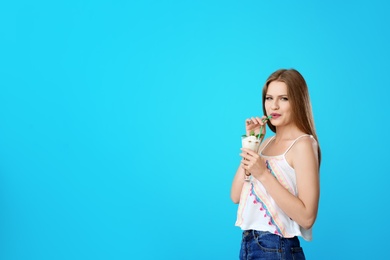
x: 120, y: 123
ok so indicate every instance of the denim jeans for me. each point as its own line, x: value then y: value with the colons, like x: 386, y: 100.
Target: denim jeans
x: 264, y: 245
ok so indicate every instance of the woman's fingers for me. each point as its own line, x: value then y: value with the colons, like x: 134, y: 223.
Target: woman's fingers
x: 256, y: 120
x: 263, y: 120
x: 251, y: 122
x: 248, y: 156
x: 252, y: 126
x: 246, y: 164
x: 249, y: 152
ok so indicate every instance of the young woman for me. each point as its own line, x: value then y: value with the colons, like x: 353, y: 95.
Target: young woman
x: 280, y: 200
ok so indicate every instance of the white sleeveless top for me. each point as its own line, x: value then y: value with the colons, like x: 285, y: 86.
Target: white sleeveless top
x: 257, y: 209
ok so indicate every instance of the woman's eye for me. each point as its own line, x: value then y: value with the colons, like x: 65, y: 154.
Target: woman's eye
x: 268, y: 98
x: 284, y: 98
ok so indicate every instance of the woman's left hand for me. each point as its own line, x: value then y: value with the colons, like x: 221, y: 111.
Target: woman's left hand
x: 253, y: 163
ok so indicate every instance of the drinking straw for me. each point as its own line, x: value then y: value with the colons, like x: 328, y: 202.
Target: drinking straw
x: 261, y: 127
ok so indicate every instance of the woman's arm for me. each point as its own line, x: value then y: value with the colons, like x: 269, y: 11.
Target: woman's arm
x: 302, y: 208
x: 239, y: 179
x: 238, y: 182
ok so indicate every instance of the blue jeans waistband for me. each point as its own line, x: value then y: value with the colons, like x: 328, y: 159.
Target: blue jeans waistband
x: 266, y: 245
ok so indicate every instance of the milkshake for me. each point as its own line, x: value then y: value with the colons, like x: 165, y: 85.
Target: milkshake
x: 253, y: 142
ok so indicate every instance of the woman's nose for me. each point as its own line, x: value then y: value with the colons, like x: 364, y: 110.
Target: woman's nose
x: 275, y: 105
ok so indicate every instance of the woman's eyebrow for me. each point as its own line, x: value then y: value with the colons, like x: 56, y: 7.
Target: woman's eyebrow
x: 283, y: 95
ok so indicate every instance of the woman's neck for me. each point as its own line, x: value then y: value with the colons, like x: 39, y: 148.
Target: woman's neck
x: 284, y: 133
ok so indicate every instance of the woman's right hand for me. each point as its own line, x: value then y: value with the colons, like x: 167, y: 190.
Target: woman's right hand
x: 253, y: 124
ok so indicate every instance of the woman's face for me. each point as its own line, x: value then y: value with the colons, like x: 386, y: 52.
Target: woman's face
x: 277, y: 104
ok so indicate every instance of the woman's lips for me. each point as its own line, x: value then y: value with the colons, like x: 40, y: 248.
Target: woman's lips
x: 274, y: 115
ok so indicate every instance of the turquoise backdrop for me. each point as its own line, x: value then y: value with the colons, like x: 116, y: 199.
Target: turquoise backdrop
x: 120, y: 123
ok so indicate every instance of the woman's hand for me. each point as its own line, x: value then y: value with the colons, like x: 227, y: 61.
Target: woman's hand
x: 253, y: 163
x: 253, y: 124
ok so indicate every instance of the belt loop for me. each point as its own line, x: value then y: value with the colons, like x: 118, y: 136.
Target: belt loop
x: 254, y: 233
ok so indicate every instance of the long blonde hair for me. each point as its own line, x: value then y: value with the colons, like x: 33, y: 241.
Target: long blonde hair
x: 298, y: 95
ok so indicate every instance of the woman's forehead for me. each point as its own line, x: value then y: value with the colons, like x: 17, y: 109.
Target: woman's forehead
x: 277, y: 88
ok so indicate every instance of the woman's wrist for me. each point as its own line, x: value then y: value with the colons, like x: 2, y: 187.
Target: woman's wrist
x: 264, y: 176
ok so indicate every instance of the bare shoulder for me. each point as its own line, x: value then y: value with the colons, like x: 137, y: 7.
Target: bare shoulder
x: 306, y: 143
x: 306, y: 149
